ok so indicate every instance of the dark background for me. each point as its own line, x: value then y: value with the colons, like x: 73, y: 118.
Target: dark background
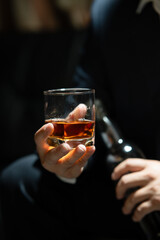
x: 34, y: 59
x: 30, y: 64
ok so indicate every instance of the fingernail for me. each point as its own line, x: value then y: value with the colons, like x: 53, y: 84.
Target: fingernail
x: 91, y: 148
x: 134, y: 219
x: 82, y: 147
x: 48, y: 127
x: 65, y: 147
x: 119, y: 197
x: 125, y: 211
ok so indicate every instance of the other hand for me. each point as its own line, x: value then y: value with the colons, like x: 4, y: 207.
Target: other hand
x: 144, y: 176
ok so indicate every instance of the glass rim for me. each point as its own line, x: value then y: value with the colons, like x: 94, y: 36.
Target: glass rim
x: 67, y: 91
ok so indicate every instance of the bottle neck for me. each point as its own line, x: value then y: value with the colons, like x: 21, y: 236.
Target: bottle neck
x: 120, y: 148
x: 110, y: 134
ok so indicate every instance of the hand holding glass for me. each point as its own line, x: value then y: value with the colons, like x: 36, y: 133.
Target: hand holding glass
x: 72, y: 112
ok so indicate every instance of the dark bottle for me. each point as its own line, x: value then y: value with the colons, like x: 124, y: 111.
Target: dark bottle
x: 118, y: 150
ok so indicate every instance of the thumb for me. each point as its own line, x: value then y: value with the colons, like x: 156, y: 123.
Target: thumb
x: 79, y: 112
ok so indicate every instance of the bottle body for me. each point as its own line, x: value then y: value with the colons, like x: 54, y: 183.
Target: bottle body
x: 118, y: 151
x: 150, y: 224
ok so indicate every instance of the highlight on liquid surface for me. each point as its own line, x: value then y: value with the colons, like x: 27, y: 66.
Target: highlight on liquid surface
x: 66, y: 130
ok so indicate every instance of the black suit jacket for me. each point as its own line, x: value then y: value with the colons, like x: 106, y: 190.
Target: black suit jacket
x: 121, y: 61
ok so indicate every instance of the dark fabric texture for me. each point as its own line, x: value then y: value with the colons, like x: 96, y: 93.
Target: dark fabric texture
x: 36, y: 204
x: 30, y: 64
x: 121, y: 61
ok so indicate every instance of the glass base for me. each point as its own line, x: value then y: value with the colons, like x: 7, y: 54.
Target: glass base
x: 54, y: 142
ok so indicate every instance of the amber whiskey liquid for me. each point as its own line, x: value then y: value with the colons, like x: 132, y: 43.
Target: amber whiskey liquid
x: 74, y: 132
x: 65, y: 130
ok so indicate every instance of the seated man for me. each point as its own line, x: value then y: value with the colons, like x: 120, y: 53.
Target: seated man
x: 120, y: 60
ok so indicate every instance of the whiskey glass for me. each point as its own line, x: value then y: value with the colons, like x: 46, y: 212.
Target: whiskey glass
x: 72, y: 112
